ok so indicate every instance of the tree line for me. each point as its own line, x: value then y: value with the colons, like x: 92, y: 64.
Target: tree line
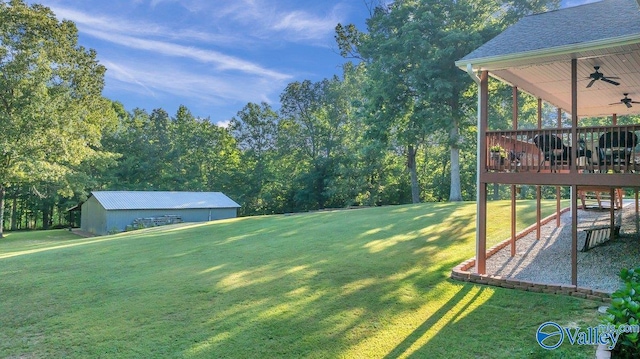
x: 398, y: 125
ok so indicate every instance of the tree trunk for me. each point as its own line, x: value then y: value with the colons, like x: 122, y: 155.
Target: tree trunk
x: 46, y: 216
x: 14, y: 212
x: 3, y: 191
x: 411, y: 165
x: 455, y: 193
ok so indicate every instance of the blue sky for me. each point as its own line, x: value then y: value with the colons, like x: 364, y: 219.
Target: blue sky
x: 211, y: 56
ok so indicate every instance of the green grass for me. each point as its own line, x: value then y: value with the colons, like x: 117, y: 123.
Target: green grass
x: 32, y: 240
x: 347, y: 284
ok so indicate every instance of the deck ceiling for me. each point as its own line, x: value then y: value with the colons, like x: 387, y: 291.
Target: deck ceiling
x: 549, y: 78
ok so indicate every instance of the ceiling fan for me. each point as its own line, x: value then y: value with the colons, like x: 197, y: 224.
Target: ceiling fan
x: 597, y: 75
x: 626, y: 100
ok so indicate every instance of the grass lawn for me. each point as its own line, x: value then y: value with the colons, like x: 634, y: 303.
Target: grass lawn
x: 367, y: 283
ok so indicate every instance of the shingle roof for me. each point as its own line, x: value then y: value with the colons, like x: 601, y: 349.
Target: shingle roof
x: 120, y: 200
x: 606, y: 19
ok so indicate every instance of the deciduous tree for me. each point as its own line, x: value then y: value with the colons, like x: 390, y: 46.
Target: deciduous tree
x: 51, y: 107
x: 410, y: 49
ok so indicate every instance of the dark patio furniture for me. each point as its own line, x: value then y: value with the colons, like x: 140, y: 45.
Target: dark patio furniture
x: 555, y: 151
x: 615, y: 148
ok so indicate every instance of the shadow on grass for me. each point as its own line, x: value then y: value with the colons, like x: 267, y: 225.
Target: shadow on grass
x: 453, y: 309
x: 502, y: 326
x: 365, y: 283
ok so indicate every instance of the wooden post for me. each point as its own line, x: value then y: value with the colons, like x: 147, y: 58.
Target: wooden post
x: 558, y: 192
x: 514, y: 110
x: 637, y: 213
x: 481, y: 235
x: 574, y: 235
x: 539, y: 113
x: 513, y: 187
x: 558, y: 205
x: 573, y: 168
x: 612, y: 212
x: 481, y: 240
x: 538, y: 187
x: 538, y: 210
x: 574, y: 188
x: 513, y: 220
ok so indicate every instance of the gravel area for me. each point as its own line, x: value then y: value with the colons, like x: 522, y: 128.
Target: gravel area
x: 548, y: 260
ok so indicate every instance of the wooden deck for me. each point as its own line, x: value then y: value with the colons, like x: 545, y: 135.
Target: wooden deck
x: 599, y: 160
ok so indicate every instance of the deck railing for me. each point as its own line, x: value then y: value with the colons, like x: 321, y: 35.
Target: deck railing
x: 606, y: 149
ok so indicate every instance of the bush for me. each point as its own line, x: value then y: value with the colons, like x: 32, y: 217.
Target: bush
x: 625, y: 311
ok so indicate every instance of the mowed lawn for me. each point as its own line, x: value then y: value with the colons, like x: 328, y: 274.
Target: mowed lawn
x: 366, y: 283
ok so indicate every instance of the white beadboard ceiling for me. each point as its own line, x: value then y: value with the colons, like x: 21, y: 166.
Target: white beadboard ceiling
x: 549, y: 78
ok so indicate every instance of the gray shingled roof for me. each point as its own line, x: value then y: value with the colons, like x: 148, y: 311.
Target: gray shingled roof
x: 115, y: 200
x: 587, y: 23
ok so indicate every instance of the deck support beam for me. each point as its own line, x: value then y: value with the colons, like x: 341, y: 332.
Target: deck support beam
x: 538, y: 210
x: 637, y: 213
x: 573, y: 170
x: 513, y: 186
x: 612, y: 211
x: 558, y: 190
x: 538, y: 187
x: 481, y: 233
x: 574, y: 235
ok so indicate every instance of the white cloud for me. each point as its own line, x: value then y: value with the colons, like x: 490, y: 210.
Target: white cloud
x: 174, y: 82
x: 268, y: 19
x: 302, y: 25
x: 116, y: 31
x: 223, y: 62
x: 124, y: 75
x: 232, y: 23
x: 216, y: 56
x: 191, y: 5
x: 223, y: 124
x: 141, y: 28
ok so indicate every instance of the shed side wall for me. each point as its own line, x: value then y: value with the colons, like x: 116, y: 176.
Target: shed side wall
x: 93, y: 217
x: 118, y: 220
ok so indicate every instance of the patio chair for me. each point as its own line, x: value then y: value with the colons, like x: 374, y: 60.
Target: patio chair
x: 615, y: 148
x: 553, y: 150
x: 515, y: 157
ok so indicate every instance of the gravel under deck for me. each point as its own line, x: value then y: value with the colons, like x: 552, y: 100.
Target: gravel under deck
x: 548, y: 260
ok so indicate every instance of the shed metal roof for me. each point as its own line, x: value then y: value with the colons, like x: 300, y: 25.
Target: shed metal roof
x: 123, y: 200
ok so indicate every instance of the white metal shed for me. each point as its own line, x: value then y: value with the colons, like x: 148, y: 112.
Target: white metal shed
x: 112, y: 211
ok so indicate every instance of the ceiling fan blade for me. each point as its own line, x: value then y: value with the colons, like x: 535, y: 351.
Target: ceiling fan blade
x: 635, y: 102
x: 615, y: 103
x: 607, y: 79
x: 628, y: 104
x: 591, y: 83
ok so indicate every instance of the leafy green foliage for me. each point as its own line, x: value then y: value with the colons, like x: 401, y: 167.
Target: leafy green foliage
x: 625, y: 311
x: 51, y: 108
x: 164, y: 153
x: 418, y: 93
x: 397, y: 126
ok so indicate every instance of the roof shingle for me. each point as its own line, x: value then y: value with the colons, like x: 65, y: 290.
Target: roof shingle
x: 608, y: 19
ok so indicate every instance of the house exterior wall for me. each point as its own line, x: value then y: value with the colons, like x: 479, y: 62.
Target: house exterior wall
x: 104, y: 222
x: 93, y: 217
